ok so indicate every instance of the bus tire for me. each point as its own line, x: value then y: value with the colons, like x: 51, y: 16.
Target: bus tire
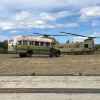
x: 22, y: 55
x: 29, y: 53
x: 51, y: 55
x: 58, y: 54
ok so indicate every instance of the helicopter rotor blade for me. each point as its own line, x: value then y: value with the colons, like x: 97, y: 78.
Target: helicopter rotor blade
x: 74, y: 34
x: 79, y: 35
x: 65, y: 34
x: 95, y: 37
x: 39, y: 34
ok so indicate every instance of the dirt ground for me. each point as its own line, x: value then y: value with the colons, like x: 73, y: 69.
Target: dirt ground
x: 11, y: 64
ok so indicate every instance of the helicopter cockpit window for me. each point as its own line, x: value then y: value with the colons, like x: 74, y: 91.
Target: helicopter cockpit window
x: 86, y: 45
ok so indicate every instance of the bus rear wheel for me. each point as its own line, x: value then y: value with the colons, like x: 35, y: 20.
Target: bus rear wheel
x: 56, y: 54
x: 51, y: 55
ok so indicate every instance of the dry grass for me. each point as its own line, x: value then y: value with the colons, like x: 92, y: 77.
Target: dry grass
x: 86, y: 64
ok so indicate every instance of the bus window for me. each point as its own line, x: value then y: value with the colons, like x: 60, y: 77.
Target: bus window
x: 25, y: 42
x: 30, y: 42
x: 47, y: 44
x: 36, y: 43
x: 41, y: 43
x: 19, y: 42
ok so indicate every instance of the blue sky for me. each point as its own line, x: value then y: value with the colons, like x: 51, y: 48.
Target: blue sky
x: 23, y: 17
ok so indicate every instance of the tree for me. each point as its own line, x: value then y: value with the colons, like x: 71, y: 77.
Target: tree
x: 5, y: 44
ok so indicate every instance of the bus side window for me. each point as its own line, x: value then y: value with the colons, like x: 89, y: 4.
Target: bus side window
x: 47, y: 44
x: 36, y: 43
x: 41, y: 43
x: 25, y: 42
x: 31, y: 42
x: 19, y: 42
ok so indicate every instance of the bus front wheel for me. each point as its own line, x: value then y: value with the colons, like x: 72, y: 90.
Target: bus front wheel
x: 58, y: 54
x: 22, y: 55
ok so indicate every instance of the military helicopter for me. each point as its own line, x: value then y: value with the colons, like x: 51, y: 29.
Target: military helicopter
x: 88, y: 44
x: 85, y: 47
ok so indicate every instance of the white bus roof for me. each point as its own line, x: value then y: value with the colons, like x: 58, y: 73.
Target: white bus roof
x: 34, y: 38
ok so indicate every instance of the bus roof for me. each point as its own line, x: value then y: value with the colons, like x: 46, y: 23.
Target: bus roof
x: 34, y: 38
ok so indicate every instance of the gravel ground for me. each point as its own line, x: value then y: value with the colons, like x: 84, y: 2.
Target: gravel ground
x: 43, y: 65
x: 45, y: 96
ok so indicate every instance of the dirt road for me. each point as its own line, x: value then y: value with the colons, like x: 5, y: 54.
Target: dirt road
x: 50, y: 96
x: 43, y: 65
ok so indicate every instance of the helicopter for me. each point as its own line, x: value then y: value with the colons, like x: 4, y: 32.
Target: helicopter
x: 85, y: 47
x: 89, y: 47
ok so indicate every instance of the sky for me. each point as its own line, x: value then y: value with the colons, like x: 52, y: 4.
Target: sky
x: 25, y: 17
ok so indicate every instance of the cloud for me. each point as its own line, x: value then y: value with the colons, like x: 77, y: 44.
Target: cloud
x: 72, y: 25
x: 12, y: 6
x: 95, y: 24
x: 65, y: 13
x: 2, y: 38
x: 6, y: 25
x: 15, y: 25
x: 22, y: 15
x: 25, y: 20
x: 90, y: 12
x: 56, y: 15
x: 38, y: 5
x: 47, y: 16
x: 28, y: 12
x: 96, y: 34
x: 79, y: 39
x: 67, y: 25
x: 83, y: 3
x: 35, y: 24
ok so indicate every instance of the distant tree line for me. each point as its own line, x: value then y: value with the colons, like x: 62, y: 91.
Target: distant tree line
x: 97, y: 46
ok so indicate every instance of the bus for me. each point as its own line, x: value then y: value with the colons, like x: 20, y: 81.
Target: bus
x: 26, y: 46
